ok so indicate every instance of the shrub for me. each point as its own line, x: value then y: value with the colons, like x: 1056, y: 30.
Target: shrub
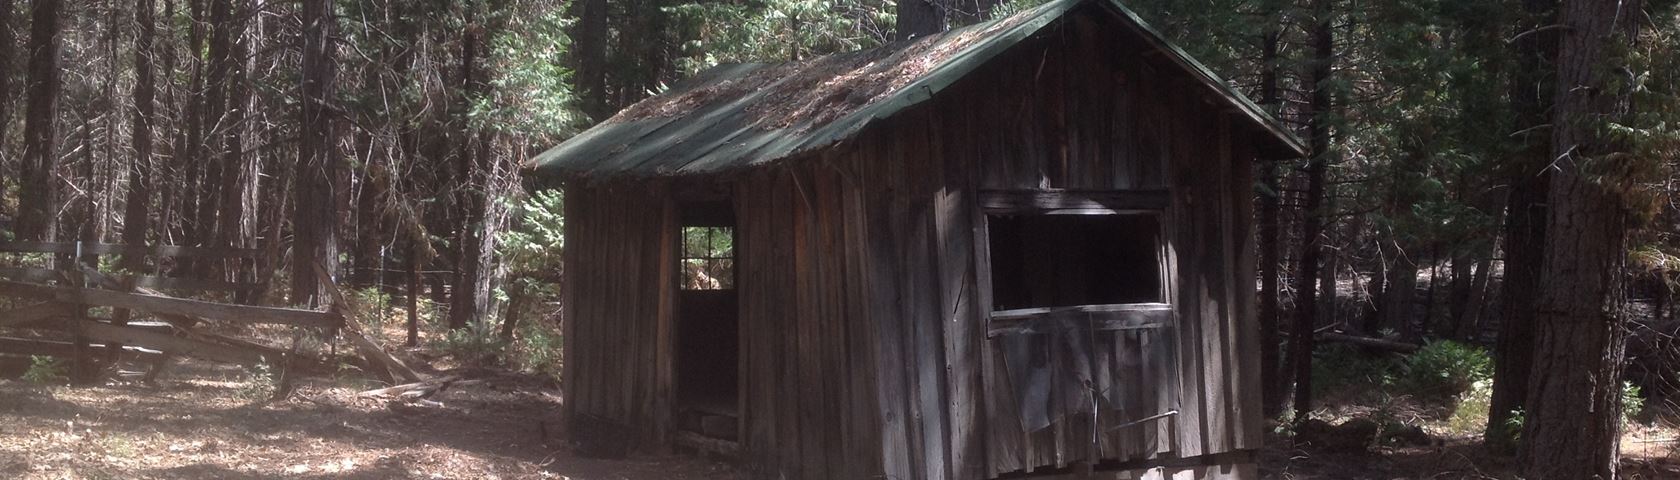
x: 538, y: 349
x: 258, y: 382
x: 1470, y: 414
x: 1633, y: 403
x: 370, y: 306
x: 479, y: 343
x: 45, y: 370
x: 1342, y: 366
x: 1445, y: 370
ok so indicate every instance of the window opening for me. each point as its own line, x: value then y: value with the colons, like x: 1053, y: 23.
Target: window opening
x: 708, y: 258
x: 1051, y: 261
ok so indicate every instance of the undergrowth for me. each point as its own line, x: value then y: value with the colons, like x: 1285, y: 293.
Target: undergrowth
x: 46, y: 370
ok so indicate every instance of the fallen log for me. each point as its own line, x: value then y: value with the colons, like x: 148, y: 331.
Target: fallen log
x: 389, y: 368
x: 417, y: 390
x: 1368, y: 342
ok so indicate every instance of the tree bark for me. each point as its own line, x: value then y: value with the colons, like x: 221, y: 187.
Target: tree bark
x: 236, y: 170
x: 590, y: 48
x: 38, y: 195
x: 1271, y: 343
x: 1525, y: 221
x: 475, y: 233
x: 316, y: 218
x: 1312, y: 226
x: 1573, y: 423
x: 917, y: 18
x: 137, y: 204
x: 189, y: 150
x: 8, y: 45
x: 1398, y: 297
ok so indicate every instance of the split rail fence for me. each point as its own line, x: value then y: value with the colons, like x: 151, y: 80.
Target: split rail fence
x: 57, y: 312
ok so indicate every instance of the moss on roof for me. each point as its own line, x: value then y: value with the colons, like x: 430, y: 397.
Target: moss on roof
x: 741, y: 115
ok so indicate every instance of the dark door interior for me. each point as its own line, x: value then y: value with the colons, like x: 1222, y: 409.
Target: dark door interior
x: 708, y: 339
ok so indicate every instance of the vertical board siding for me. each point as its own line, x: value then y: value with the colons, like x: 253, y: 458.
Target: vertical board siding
x: 1036, y: 120
x: 863, y: 280
x: 615, y: 352
x: 809, y: 402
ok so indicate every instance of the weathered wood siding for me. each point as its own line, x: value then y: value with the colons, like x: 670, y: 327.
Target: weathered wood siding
x: 1077, y: 109
x: 864, y: 295
x: 620, y: 256
x: 808, y: 400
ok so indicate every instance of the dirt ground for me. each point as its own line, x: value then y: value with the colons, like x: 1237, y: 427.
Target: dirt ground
x: 214, y: 422
x: 210, y: 422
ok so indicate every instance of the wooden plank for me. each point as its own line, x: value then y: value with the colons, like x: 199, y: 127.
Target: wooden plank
x: 861, y: 331
x: 885, y: 277
x: 35, y: 275
x: 34, y: 313
x: 1074, y: 201
x: 69, y: 248
x: 60, y: 349
x: 707, y: 444
x: 167, y: 343
x: 42, y: 275
x: 926, y: 328
x: 169, y: 283
x: 393, y: 368
x: 963, y: 327
x: 1248, y: 346
x: 1214, y: 283
x: 175, y: 306
x: 1100, y: 317
x: 665, y: 317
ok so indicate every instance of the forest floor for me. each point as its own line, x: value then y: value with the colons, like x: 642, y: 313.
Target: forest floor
x: 212, y: 422
x: 1650, y: 451
x: 209, y: 421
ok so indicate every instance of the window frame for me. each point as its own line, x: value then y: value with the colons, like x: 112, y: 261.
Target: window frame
x: 709, y: 214
x: 1117, y: 316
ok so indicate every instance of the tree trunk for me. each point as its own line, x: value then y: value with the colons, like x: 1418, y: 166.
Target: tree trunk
x: 917, y: 18
x: 414, y: 262
x: 1470, y: 325
x: 590, y: 47
x: 137, y: 204
x: 1458, y: 292
x: 8, y: 45
x: 515, y: 308
x: 1330, y: 258
x: 38, y: 195
x: 316, y: 218
x: 235, y: 169
x: 216, y: 159
x: 1399, y: 295
x: 474, y: 232
x: 1525, y: 222
x: 1312, y: 226
x: 189, y: 145
x: 1272, y: 380
x: 1573, y: 425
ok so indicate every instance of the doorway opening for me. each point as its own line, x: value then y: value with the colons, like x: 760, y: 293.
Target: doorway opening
x: 707, y: 321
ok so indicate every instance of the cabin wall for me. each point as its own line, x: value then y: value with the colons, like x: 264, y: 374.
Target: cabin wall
x: 620, y: 258
x: 864, y: 289
x: 1078, y: 109
x: 808, y: 395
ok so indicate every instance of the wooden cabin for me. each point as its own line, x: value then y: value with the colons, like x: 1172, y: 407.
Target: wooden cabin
x: 1015, y: 249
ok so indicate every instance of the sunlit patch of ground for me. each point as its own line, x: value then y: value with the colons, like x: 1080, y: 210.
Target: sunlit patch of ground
x: 205, y: 421
x: 1650, y: 449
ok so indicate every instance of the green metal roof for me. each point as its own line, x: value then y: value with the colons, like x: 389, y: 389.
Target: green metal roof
x: 743, y: 115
